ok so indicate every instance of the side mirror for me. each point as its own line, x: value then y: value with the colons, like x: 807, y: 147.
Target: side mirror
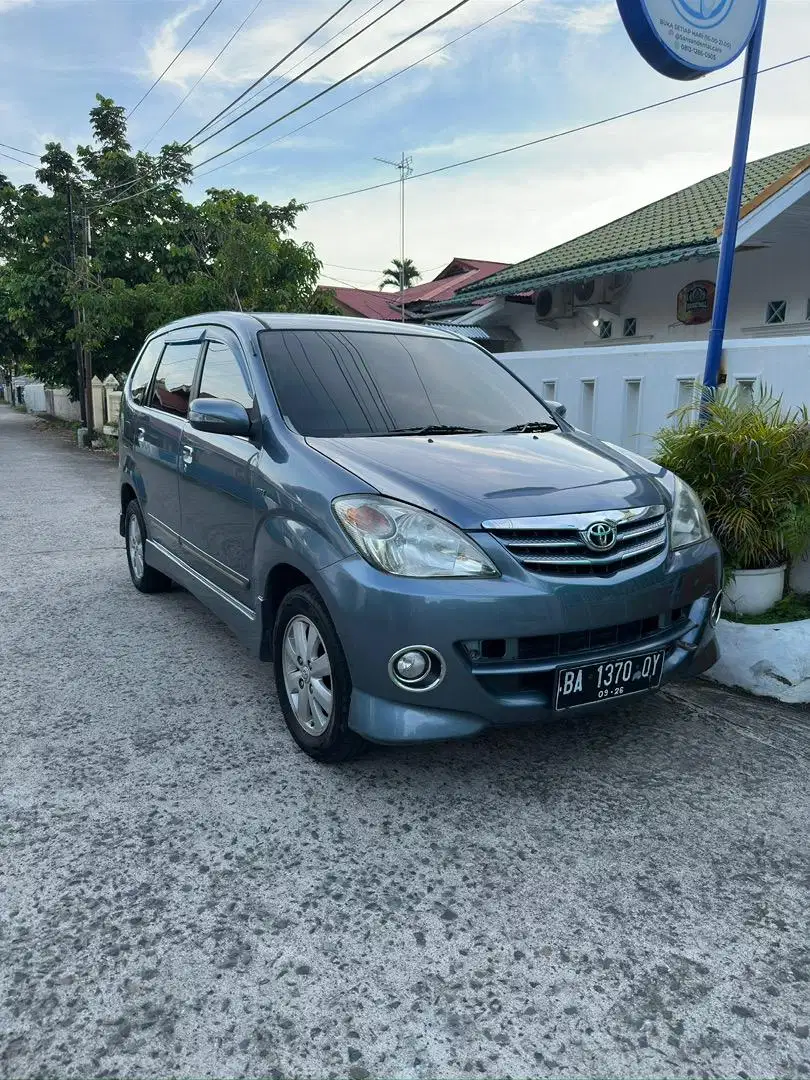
x: 557, y: 407
x: 218, y: 417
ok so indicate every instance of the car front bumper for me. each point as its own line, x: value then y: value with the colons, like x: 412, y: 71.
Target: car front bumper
x: 503, y: 640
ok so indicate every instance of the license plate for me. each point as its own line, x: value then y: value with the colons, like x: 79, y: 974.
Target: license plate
x: 607, y: 681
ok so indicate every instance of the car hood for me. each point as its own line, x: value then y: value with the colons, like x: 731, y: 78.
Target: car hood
x: 469, y: 479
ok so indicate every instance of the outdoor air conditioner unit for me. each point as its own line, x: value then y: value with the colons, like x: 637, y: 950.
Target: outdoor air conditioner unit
x: 555, y: 303
x: 595, y: 292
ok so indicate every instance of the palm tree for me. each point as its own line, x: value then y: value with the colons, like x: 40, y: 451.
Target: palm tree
x: 397, y: 271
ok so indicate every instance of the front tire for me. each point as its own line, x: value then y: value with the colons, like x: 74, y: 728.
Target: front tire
x: 312, y: 678
x: 144, y: 577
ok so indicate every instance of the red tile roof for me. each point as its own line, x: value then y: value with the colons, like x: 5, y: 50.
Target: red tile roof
x: 385, y: 305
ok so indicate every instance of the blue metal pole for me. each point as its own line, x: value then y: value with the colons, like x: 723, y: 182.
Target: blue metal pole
x: 728, y: 243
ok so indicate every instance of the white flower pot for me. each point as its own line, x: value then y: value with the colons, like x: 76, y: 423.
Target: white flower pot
x: 800, y: 574
x: 752, y: 592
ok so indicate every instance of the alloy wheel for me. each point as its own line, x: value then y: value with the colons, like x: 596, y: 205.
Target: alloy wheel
x: 135, y: 546
x: 307, y: 675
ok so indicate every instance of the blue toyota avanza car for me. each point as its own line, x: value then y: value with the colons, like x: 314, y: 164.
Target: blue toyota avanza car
x: 421, y: 546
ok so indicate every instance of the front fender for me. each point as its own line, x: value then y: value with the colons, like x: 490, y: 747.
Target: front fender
x: 307, y: 548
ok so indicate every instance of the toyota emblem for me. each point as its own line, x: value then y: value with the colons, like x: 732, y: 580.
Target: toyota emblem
x: 601, y: 536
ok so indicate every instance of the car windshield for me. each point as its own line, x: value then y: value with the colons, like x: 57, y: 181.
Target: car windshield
x: 339, y: 383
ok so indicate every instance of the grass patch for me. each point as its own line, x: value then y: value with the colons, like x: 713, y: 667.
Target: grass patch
x: 791, y: 608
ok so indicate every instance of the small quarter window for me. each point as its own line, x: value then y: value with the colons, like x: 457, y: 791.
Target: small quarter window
x: 222, y: 376
x: 629, y: 327
x: 143, y: 371
x: 775, y: 312
x: 175, y: 375
x: 605, y: 329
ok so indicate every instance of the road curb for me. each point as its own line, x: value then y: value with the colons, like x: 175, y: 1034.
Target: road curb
x: 769, y: 661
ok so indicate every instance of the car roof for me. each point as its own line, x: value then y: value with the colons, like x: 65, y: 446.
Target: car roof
x: 251, y: 322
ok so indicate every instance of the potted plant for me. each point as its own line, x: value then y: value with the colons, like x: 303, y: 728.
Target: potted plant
x: 749, y: 461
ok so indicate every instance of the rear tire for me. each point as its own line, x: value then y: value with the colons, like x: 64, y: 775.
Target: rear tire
x: 312, y: 678
x: 144, y: 577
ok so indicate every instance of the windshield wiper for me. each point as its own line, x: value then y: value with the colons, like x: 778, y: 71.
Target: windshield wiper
x: 437, y: 429
x: 532, y: 426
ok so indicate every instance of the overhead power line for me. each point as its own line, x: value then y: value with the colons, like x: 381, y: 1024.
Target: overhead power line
x: 519, y: 146
x: 270, y: 71
x: 340, y: 82
x: 556, y: 135
x: 174, y: 59
x: 306, y: 71
x: 226, y: 46
x: 17, y: 150
x: 20, y: 161
x: 331, y: 277
x: 313, y: 52
x: 377, y: 272
x: 368, y: 90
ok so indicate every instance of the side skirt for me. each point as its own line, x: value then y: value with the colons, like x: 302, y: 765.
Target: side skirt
x: 245, y: 623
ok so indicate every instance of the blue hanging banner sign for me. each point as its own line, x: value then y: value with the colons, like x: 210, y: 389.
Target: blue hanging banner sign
x: 685, y: 39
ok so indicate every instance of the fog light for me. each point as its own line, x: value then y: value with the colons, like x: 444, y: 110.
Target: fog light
x: 412, y: 665
x: 417, y: 668
x: 717, y: 609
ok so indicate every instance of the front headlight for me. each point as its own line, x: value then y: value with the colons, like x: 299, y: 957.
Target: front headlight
x: 689, y: 524
x: 408, y: 542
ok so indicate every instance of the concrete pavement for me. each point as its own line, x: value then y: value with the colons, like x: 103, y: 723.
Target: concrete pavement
x: 184, y: 893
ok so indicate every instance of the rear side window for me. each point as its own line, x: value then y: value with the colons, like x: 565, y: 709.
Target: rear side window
x: 144, y: 370
x: 222, y: 376
x: 175, y: 374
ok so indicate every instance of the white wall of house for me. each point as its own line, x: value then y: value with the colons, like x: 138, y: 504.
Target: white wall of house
x: 626, y: 394
x: 779, y: 272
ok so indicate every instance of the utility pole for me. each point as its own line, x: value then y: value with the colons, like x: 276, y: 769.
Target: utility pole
x: 88, y: 360
x: 405, y: 167
x: 76, y: 313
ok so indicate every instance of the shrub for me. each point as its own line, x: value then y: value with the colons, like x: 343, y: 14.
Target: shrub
x: 749, y: 461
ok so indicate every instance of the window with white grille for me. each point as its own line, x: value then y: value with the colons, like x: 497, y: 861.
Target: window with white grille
x: 688, y: 392
x: 631, y: 423
x: 745, y: 391
x: 605, y: 329
x: 775, y: 312
x: 629, y: 327
x: 587, y: 405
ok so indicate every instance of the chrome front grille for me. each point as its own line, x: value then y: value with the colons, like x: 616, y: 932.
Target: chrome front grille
x: 563, y: 544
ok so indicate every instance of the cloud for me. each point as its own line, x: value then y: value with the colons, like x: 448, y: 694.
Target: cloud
x: 512, y: 207
x: 593, y: 18
x: 271, y: 38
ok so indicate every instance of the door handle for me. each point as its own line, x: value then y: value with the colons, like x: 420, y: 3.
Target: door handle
x: 139, y: 436
x: 188, y: 455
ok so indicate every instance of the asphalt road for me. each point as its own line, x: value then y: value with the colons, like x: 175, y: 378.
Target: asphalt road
x: 183, y: 893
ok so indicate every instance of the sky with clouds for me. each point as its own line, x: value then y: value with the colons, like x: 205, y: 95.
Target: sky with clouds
x: 536, y: 69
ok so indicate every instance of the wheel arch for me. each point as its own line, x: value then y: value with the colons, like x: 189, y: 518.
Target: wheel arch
x: 281, y: 580
x: 128, y: 493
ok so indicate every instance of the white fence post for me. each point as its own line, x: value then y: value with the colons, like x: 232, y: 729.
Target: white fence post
x: 112, y: 396
x: 98, y: 402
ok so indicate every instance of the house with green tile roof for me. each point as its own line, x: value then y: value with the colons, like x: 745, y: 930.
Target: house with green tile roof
x: 649, y: 276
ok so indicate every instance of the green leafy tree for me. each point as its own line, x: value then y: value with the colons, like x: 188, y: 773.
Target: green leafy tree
x: 400, y: 272
x: 152, y: 255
